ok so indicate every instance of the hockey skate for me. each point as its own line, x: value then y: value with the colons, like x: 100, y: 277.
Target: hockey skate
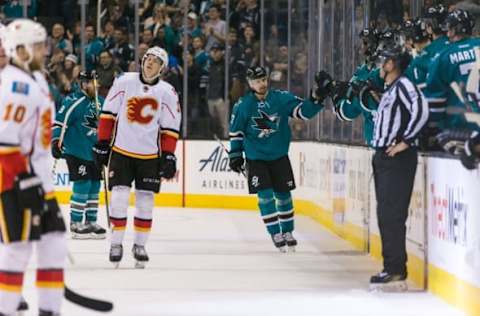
x: 279, y: 242
x: 47, y: 313
x: 116, y: 254
x: 140, y: 255
x: 97, y: 231
x: 291, y: 242
x: 386, y: 282
x: 80, y: 230
x: 22, y: 307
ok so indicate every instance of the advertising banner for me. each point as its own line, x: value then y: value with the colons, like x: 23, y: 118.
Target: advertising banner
x: 454, y: 218
x: 207, y: 170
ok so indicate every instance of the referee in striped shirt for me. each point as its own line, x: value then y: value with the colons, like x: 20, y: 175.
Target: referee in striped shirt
x: 402, y: 113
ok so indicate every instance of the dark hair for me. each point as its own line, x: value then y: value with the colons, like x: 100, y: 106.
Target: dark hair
x: 106, y: 51
x: 215, y: 6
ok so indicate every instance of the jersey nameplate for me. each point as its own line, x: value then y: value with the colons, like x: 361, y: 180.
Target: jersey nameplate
x: 20, y: 87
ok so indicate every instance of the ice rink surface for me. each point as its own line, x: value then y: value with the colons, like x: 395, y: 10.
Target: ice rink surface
x: 222, y: 263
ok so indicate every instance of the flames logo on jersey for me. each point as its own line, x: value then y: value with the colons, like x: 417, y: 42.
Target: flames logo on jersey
x: 141, y: 110
x: 46, y: 128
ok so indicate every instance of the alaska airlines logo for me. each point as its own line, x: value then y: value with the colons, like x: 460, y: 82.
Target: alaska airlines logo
x: 267, y: 124
x: 141, y: 110
x: 46, y: 128
x: 216, y: 162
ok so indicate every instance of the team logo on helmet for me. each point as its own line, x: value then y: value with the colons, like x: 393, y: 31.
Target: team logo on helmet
x: 141, y: 110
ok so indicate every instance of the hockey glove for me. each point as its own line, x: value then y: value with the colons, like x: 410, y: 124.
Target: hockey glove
x: 236, y: 161
x: 322, y: 87
x: 30, y: 196
x: 340, y: 91
x: 168, y: 165
x: 357, y: 86
x: 56, y: 150
x: 453, y: 140
x: 101, y: 153
x: 470, y: 156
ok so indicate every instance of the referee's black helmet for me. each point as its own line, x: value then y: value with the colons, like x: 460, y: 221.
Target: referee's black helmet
x: 397, y: 54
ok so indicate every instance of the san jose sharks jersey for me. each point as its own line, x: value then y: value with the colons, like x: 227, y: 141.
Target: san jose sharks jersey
x: 76, y: 125
x: 349, y: 109
x: 447, y: 80
x: 260, y: 127
x: 419, y: 67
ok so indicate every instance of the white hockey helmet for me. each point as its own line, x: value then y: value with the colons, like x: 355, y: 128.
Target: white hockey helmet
x: 161, y: 54
x: 22, y: 32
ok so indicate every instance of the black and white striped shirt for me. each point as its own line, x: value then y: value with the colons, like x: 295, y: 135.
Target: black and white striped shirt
x: 401, y: 114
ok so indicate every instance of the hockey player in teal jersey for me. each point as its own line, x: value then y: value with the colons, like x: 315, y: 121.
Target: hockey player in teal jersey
x: 435, y: 18
x: 259, y: 131
x: 418, y: 69
x: 449, y: 73
x: 360, y: 95
x: 74, y: 134
x: 456, y: 70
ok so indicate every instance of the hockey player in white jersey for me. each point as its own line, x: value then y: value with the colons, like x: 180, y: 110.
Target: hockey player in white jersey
x: 29, y: 212
x: 137, y: 134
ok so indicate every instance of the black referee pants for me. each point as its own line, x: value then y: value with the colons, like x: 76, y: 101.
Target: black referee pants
x: 394, y: 177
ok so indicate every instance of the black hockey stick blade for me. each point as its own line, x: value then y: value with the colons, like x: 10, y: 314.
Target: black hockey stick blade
x: 87, y: 302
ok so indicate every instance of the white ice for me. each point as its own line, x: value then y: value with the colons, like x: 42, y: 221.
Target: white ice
x: 223, y: 263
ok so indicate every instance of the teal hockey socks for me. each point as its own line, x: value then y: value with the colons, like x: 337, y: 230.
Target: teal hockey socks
x: 266, y: 203
x: 285, y: 210
x: 78, y: 201
x: 91, y: 209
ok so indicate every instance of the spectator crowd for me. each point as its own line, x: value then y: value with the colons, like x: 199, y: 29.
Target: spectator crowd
x: 214, y: 83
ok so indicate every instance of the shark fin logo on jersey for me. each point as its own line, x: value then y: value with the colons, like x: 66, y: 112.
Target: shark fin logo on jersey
x: 267, y: 124
x: 141, y: 110
x: 90, y: 122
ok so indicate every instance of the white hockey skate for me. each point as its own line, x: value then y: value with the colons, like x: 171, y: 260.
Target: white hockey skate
x: 80, y: 231
x: 116, y: 254
x: 140, y: 255
x: 386, y: 282
x: 279, y: 242
x: 291, y: 242
x: 96, y: 231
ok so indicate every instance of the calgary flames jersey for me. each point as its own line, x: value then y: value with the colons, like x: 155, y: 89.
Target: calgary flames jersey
x: 141, y: 120
x: 42, y: 159
x: 26, y: 110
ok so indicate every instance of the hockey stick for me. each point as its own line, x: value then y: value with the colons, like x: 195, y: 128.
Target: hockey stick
x: 104, y: 172
x: 88, y: 302
x: 227, y: 151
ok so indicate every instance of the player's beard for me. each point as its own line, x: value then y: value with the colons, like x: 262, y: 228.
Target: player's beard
x: 35, y: 65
